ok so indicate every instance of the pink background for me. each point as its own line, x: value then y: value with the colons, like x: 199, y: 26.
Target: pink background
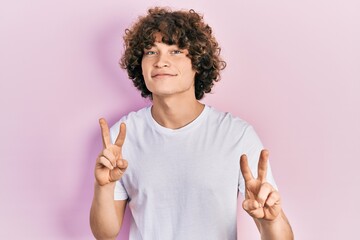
x: 293, y: 72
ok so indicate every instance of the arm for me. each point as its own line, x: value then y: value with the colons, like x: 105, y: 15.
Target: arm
x: 262, y: 202
x: 277, y: 229
x: 106, y: 214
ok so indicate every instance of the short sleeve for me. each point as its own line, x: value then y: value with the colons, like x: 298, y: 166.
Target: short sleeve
x: 252, y: 146
x: 120, y: 191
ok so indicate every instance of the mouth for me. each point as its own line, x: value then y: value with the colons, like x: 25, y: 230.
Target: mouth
x: 161, y: 75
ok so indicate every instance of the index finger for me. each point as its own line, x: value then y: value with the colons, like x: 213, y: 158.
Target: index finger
x: 262, y: 165
x: 121, y: 137
x: 244, y: 167
x: 105, y: 133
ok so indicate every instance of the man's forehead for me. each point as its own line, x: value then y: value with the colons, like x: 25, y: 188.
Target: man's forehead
x: 158, y: 37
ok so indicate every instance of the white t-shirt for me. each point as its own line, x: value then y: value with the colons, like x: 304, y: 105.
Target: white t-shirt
x: 183, y: 184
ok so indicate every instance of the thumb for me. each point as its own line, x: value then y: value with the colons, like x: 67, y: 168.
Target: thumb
x: 250, y: 205
x: 122, y: 164
x: 253, y: 208
x: 119, y: 170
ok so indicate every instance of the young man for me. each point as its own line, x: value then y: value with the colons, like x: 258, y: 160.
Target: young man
x: 181, y: 175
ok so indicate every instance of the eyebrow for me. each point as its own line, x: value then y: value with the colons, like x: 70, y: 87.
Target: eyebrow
x: 170, y: 46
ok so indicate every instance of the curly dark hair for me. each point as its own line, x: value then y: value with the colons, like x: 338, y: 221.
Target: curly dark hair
x: 187, y: 30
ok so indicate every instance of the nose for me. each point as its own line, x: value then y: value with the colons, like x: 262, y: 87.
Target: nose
x: 162, y: 61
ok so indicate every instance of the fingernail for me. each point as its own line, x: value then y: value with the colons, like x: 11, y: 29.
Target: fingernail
x: 246, y: 206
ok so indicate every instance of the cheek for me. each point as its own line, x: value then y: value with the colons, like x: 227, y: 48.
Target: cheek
x: 142, y: 67
x: 190, y: 73
x: 148, y: 85
x: 145, y: 66
x: 186, y: 68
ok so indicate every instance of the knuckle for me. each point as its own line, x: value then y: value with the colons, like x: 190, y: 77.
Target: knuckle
x: 102, y: 160
x: 261, y: 198
x: 266, y: 185
x: 106, y: 151
x: 275, y: 195
x: 245, y: 205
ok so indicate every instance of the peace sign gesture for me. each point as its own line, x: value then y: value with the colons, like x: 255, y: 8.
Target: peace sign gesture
x: 109, y: 165
x: 262, y: 201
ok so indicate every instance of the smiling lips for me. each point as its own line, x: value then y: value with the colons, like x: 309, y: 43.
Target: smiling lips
x: 161, y: 75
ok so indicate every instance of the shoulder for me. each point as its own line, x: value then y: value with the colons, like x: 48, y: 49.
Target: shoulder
x: 232, y: 129
x: 231, y: 126
x: 133, y: 120
x: 227, y: 120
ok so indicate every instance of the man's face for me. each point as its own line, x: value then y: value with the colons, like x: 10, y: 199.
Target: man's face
x: 167, y: 70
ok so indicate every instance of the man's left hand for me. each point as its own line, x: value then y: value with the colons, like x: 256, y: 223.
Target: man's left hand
x: 262, y: 200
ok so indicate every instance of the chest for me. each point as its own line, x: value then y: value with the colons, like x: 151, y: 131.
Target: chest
x: 180, y: 167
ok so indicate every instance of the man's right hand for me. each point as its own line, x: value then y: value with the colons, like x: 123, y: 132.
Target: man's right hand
x: 110, y: 166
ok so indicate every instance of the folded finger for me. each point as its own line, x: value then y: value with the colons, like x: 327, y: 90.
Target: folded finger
x: 122, y: 164
x: 110, y: 156
x: 264, y: 192
x: 250, y: 205
x: 105, y: 162
x: 273, y: 199
x: 116, y: 174
x: 257, y: 213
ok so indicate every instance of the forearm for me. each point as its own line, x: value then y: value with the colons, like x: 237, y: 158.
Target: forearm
x: 278, y: 229
x: 104, y: 221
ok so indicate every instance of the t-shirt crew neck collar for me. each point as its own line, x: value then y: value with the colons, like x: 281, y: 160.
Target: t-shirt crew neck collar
x: 165, y: 130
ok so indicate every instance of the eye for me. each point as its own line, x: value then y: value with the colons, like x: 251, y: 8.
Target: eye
x: 149, y: 53
x: 176, y: 52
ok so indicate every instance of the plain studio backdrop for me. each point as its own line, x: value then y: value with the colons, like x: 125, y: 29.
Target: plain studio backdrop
x: 293, y: 72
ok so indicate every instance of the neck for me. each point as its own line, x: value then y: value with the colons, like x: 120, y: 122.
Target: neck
x: 170, y: 112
